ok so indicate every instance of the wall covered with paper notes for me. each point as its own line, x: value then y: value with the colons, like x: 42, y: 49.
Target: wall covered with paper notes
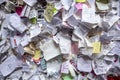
x: 59, y: 39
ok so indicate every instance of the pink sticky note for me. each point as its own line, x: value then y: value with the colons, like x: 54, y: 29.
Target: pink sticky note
x: 78, y: 5
x: 19, y: 10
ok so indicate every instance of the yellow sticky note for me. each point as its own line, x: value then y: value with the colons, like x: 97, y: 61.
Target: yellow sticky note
x: 54, y: 10
x: 96, y: 47
x: 49, y: 12
x: 80, y: 0
x: 37, y: 55
x: 103, y: 1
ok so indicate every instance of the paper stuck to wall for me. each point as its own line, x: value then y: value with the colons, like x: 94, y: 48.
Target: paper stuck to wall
x: 113, y: 20
x: 64, y: 67
x: 2, y: 1
x: 50, y: 50
x: 78, y: 5
x: 34, y: 31
x: 88, y: 15
x: 25, y: 40
x: 102, y: 6
x: 66, y: 15
x: 65, y: 45
x: 96, y: 47
x: 37, y: 55
x: 115, y: 51
x: 80, y: 0
x: 6, y: 24
x: 67, y: 77
x: 53, y: 67
x: 87, y: 51
x: 33, y: 14
x: 84, y: 64
x: 58, y: 5
x: 12, y: 42
x: 25, y: 12
x: 77, y: 32
x: 49, y: 12
x: 17, y: 24
x: 30, y: 2
x: 66, y: 3
x: 101, y: 66
x: 20, y: 50
x: 80, y: 77
x: 9, y: 65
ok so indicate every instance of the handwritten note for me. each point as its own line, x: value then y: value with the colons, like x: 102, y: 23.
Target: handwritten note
x: 64, y: 68
x: 96, y: 47
x: 49, y: 50
x: 88, y: 15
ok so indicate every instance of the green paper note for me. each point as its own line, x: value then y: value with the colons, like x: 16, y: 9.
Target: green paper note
x: 80, y: 0
x: 67, y: 77
x: 33, y: 20
x: 54, y: 10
